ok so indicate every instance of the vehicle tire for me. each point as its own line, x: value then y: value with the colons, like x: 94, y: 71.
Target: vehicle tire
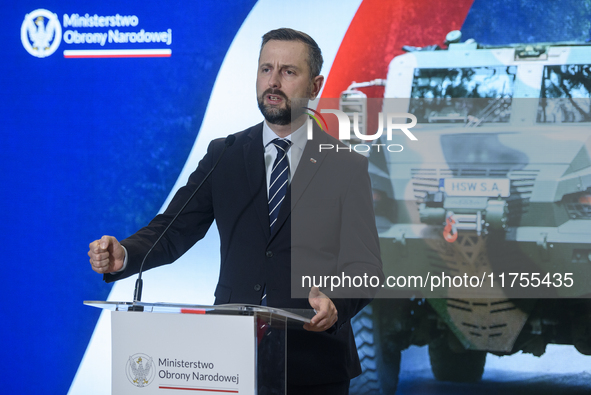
x: 448, y: 365
x: 380, y: 360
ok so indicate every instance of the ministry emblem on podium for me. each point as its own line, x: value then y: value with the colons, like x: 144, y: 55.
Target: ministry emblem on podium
x: 140, y: 370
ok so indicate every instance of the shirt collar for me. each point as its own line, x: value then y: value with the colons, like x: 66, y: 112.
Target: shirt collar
x: 297, y: 138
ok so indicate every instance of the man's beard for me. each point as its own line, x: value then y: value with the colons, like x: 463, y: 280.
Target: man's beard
x: 277, y: 115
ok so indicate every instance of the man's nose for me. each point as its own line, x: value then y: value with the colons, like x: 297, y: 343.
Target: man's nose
x: 275, y: 80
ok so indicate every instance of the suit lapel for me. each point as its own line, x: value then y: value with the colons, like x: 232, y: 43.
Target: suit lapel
x: 309, y: 164
x: 254, y: 160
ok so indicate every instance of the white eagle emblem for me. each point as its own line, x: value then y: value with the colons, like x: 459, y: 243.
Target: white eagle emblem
x: 41, y: 33
x: 141, y: 370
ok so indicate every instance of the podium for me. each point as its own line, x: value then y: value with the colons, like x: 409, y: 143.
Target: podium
x: 164, y: 348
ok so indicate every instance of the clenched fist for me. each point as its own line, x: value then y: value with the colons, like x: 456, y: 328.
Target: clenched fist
x: 106, y: 255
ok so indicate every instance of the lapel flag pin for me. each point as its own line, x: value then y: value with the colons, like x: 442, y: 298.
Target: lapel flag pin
x: 312, y: 160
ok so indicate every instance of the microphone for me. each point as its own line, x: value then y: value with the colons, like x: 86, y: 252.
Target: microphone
x: 137, y: 294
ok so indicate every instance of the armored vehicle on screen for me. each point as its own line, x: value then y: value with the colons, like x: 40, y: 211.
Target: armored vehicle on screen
x: 496, y: 186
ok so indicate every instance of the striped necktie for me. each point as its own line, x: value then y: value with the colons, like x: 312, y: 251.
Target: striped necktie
x: 279, y: 179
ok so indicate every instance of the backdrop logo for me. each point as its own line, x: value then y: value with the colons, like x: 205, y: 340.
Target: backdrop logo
x: 315, y: 117
x: 41, y: 33
x: 140, y: 370
x: 392, y: 122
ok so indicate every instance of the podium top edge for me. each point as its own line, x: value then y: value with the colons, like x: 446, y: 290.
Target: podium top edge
x: 299, y: 315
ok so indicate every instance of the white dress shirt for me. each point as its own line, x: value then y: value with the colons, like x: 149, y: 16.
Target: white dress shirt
x: 294, y: 154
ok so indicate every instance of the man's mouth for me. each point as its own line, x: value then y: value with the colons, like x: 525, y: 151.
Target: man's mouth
x: 275, y: 98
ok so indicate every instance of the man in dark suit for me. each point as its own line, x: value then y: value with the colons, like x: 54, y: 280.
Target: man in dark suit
x: 284, y: 208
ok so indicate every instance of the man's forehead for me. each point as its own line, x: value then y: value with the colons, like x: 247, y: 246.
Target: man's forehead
x: 284, y: 51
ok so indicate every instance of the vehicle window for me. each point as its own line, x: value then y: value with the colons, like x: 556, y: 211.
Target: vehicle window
x: 565, y: 94
x: 466, y: 95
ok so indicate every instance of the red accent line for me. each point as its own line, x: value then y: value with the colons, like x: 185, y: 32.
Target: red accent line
x: 192, y: 311
x: 371, y: 43
x: 116, y: 56
x: 197, y: 389
x: 321, y: 117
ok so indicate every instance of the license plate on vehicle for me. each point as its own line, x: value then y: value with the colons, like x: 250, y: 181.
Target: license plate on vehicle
x: 489, y: 187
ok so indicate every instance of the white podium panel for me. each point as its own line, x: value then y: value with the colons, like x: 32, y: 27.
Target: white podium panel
x: 160, y: 353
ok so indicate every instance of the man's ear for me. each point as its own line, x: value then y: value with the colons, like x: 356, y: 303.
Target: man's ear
x: 316, y: 86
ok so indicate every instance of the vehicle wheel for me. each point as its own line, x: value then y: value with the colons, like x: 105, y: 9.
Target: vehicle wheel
x: 448, y: 365
x: 380, y: 359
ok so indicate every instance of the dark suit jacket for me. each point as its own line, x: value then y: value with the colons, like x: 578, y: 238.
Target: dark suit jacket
x: 325, y: 222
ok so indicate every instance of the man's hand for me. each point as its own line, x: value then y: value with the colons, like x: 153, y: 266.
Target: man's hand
x: 326, y: 312
x: 106, y: 255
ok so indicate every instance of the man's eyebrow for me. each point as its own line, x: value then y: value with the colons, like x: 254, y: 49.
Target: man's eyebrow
x: 282, y: 66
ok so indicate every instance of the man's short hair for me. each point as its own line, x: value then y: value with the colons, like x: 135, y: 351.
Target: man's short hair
x: 314, y: 54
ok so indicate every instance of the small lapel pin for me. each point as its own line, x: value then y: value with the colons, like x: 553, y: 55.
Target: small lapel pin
x: 312, y: 160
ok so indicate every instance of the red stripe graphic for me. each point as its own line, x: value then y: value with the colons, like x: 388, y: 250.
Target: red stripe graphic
x: 193, y: 311
x: 197, y: 389
x: 371, y: 43
x: 114, y: 56
x: 117, y: 53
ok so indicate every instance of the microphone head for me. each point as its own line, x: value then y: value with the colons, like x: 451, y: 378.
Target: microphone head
x: 230, y: 140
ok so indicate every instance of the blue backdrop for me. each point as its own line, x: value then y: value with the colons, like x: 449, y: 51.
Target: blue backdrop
x: 90, y: 146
